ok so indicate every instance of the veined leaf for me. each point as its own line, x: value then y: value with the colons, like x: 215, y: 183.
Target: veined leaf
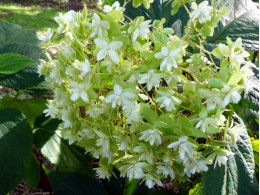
x: 244, y: 23
x: 11, y: 63
x: 69, y: 183
x: 238, y: 175
x: 15, y: 148
x: 11, y: 33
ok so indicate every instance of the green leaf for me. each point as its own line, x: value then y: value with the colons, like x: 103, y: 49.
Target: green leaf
x: 196, y: 190
x: 238, y: 175
x: 32, y: 174
x: 27, y: 107
x: 148, y: 113
x: 159, y: 10
x: 45, y: 127
x: 11, y: 33
x: 27, y: 77
x: 15, y: 148
x: 255, y: 146
x: 67, y: 157
x: 131, y: 186
x: 11, y: 63
x: 244, y: 23
x: 235, y: 78
x: 217, y: 83
x: 69, y: 183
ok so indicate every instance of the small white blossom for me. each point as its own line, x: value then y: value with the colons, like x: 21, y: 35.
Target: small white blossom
x: 46, y: 37
x: 115, y: 6
x: 79, y: 90
x: 195, y: 165
x: 222, y: 160
x: 205, y: 122
x: 169, y: 58
x: 103, y: 172
x: 131, y: 111
x: 120, y: 97
x: 201, y: 11
x: 142, y: 29
x: 151, y: 135
x: 52, y: 110
x: 134, y: 170
x: 108, y: 49
x: 99, y: 27
x: 232, y: 95
x: 151, y: 180
x: 185, y: 148
x: 166, y: 170
x: 151, y: 78
x: 146, y: 153
x: 67, y: 117
x: 213, y: 98
x: 67, y: 21
x: 168, y: 101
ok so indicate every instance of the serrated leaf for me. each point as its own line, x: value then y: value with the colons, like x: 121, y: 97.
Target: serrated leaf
x: 67, y: 157
x: 238, y: 175
x: 11, y: 33
x: 11, y: 63
x: 244, y: 23
x: 15, y: 148
x: 69, y: 183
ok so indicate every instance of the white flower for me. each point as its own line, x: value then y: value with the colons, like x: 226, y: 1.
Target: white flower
x: 109, y: 64
x: 165, y: 170
x: 103, y: 172
x: 68, y: 21
x: 52, y: 110
x: 213, y: 98
x: 85, y: 69
x: 68, y: 52
x: 232, y: 96
x: 146, y: 154
x: 57, y: 72
x: 108, y: 48
x: 142, y: 29
x: 151, y: 78
x: 151, y: 135
x: 131, y: 111
x: 133, y: 170
x: 222, y: 160
x: 46, y: 37
x: 79, y: 90
x: 185, y: 148
x: 104, y: 142
x: 151, y: 180
x: 168, y: 102
x: 115, y: 6
x: 201, y: 12
x: 205, y: 122
x: 120, y: 97
x: 67, y: 117
x: 169, y: 58
x: 99, y: 27
x: 195, y: 165
x: 71, y: 138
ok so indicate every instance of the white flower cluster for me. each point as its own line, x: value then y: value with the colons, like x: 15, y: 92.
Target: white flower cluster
x: 126, y: 94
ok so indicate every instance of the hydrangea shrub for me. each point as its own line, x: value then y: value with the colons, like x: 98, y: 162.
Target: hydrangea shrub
x: 135, y: 96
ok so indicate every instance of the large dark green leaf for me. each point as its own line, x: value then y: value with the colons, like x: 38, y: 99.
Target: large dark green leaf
x: 15, y: 148
x: 160, y: 9
x: 11, y: 33
x: 11, y: 63
x: 67, y: 157
x: 32, y: 173
x: 31, y: 108
x: 27, y: 77
x: 244, y: 23
x: 67, y: 183
x: 238, y: 175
